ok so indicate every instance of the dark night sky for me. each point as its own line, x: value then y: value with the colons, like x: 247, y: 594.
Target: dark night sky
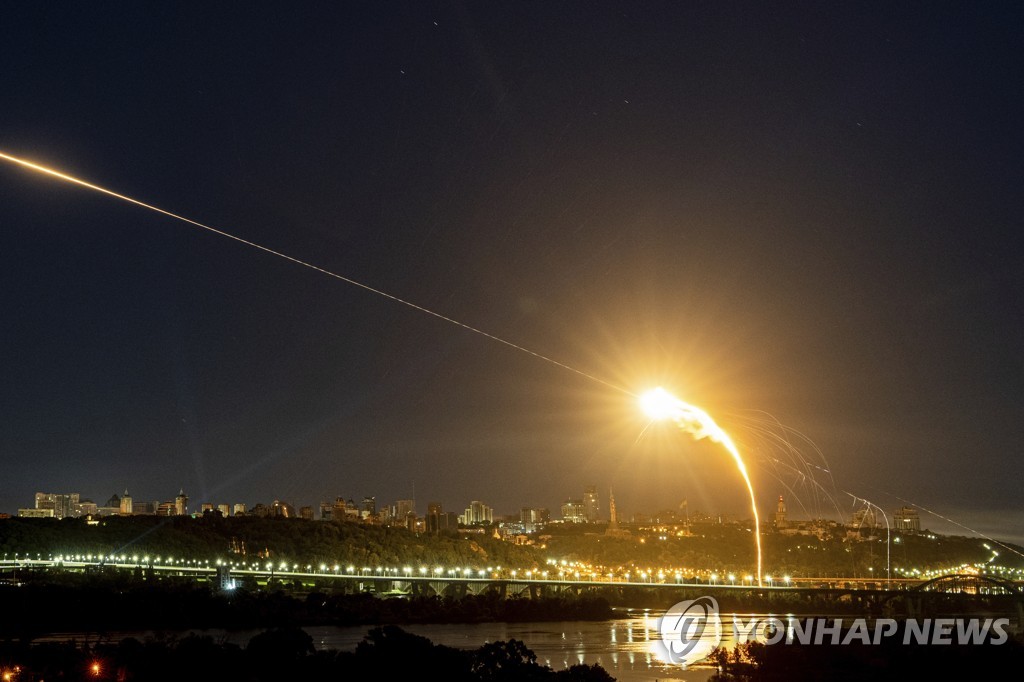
x: 809, y: 210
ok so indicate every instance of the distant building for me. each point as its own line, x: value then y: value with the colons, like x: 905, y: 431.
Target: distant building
x: 906, y: 519
x: 477, y: 514
x: 181, y: 503
x: 239, y: 509
x: 405, y: 507
x: 206, y: 507
x: 370, y: 505
x: 127, y: 509
x: 573, y: 512
x: 438, y: 520
x: 306, y: 513
x: 780, y: 515
x: 864, y: 518
x: 432, y: 521
x: 282, y: 510
x: 62, y: 504
x: 224, y: 510
x: 36, y: 513
x: 591, y: 507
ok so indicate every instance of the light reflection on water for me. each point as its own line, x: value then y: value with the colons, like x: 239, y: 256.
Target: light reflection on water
x: 625, y: 647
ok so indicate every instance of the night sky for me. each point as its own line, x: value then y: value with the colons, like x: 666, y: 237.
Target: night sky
x: 802, y: 212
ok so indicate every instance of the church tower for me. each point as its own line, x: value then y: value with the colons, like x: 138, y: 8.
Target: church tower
x: 126, y: 503
x: 780, y: 515
x: 181, y: 503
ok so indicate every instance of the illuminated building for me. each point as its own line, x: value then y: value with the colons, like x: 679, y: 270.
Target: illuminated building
x: 864, y: 518
x: 573, y: 512
x: 181, y: 503
x: 62, y: 504
x: 591, y: 508
x: 127, y: 509
x: 477, y: 513
x: 906, y: 519
x: 36, y: 513
x: 780, y: 515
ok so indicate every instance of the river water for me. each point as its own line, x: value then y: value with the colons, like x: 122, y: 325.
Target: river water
x: 625, y: 646
x: 629, y: 646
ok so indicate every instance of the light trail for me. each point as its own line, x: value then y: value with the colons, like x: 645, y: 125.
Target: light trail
x: 660, y: 404
x: 103, y: 190
x: 888, y: 536
x: 955, y: 523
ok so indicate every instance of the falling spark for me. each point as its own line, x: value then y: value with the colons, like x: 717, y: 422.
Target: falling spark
x: 660, y: 404
x: 103, y: 190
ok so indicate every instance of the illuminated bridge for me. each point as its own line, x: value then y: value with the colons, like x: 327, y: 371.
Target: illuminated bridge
x: 904, y: 596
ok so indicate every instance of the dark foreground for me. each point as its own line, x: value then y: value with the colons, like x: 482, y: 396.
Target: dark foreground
x: 283, y: 654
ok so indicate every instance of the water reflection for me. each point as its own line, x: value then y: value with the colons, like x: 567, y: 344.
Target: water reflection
x: 624, y: 646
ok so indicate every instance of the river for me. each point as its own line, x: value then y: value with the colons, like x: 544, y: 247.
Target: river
x: 628, y: 647
x: 622, y: 646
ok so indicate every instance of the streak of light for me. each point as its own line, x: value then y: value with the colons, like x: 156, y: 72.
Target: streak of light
x: 103, y: 190
x: 660, y: 404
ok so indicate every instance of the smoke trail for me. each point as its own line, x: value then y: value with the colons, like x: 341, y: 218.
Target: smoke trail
x: 96, y: 188
x: 660, y: 404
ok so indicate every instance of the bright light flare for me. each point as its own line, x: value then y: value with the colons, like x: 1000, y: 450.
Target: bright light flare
x: 659, y: 404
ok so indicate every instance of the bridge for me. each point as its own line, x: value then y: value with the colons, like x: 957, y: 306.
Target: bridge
x: 953, y: 593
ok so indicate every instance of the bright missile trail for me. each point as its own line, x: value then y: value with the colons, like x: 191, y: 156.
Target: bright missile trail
x: 103, y: 190
x: 660, y: 404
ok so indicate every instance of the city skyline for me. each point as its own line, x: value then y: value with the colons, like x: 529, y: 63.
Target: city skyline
x: 801, y: 219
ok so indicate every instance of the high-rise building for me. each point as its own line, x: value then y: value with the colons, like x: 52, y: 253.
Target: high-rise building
x: 591, y: 508
x: 62, y: 504
x: 477, y: 513
x: 405, y: 507
x: 306, y: 513
x: 438, y: 520
x: 224, y: 510
x: 572, y: 512
x: 239, y: 509
x: 370, y: 505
